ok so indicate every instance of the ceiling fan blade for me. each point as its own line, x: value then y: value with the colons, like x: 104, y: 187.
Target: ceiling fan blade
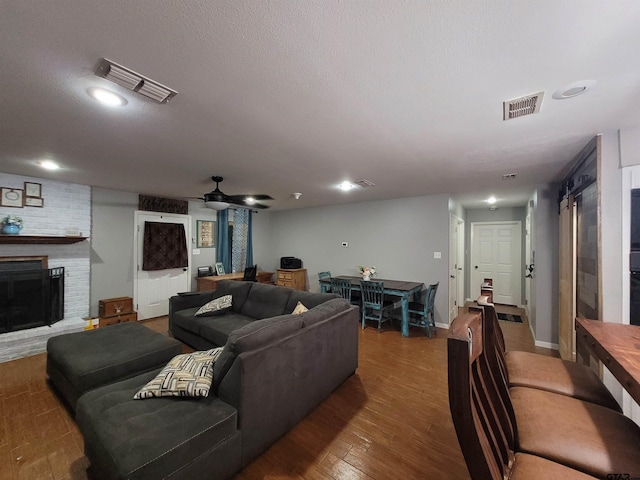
x: 255, y: 197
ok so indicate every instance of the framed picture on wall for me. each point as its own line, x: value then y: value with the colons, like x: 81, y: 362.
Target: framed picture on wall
x: 32, y: 189
x: 219, y: 268
x: 11, y: 197
x: 205, y: 234
x: 33, y: 202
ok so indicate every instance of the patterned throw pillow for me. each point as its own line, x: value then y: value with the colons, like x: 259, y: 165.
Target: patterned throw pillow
x: 300, y: 308
x: 215, y: 307
x: 186, y: 375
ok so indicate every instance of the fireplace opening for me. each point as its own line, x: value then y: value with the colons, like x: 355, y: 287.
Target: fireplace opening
x: 30, y: 295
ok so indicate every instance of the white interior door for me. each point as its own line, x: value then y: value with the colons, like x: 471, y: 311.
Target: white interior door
x: 496, y: 253
x: 152, y: 289
x: 453, y: 270
x: 456, y: 255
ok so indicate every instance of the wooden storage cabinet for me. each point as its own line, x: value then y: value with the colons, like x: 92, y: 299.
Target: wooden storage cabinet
x: 116, y: 310
x: 292, y: 278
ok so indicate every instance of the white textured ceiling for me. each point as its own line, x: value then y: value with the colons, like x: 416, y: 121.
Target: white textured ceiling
x: 297, y: 96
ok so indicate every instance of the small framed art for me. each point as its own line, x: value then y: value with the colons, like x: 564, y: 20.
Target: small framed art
x: 11, y: 197
x: 205, y: 234
x: 32, y: 189
x: 219, y: 268
x: 33, y: 202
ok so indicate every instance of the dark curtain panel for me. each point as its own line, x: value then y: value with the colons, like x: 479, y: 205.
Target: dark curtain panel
x: 165, y: 246
x: 222, y: 250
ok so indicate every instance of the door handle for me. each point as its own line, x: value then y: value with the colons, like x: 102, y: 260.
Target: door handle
x: 476, y: 267
x: 452, y: 276
x: 184, y: 269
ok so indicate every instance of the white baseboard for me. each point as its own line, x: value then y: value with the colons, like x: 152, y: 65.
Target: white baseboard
x: 552, y: 346
x: 442, y: 325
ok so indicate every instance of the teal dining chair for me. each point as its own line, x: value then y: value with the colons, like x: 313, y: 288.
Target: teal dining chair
x: 325, y: 276
x: 421, y: 314
x: 374, y: 306
x: 342, y: 287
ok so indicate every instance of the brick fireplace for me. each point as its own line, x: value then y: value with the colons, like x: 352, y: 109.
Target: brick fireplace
x: 67, y: 207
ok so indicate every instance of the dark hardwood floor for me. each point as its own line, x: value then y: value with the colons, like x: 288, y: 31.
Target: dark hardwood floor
x: 388, y: 421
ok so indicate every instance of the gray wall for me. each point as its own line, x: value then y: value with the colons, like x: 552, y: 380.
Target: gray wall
x: 545, y: 285
x: 111, y: 244
x: 113, y: 225
x: 398, y: 236
x: 485, y: 215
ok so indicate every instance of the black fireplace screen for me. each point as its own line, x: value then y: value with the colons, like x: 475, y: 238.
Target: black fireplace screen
x: 31, y: 298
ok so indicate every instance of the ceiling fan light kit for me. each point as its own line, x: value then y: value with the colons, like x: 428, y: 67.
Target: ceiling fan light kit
x: 217, y: 200
x: 217, y: 205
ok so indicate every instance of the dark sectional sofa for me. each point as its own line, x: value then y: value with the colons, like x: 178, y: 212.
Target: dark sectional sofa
x: 275, y: 368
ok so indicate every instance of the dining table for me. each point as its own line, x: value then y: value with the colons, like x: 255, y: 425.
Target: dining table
x: 400, y: 289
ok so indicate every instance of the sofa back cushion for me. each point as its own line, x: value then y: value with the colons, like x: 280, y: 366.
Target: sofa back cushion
x: 265, y: 301
x: 308, y: 299
x: 252, y: 336
x: 238, y: 291
x: 323, y: 311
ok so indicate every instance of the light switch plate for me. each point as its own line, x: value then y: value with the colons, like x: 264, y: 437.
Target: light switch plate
x: 437, y: 254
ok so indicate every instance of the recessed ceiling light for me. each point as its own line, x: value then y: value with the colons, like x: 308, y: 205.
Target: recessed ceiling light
x: 491, y: 200
x: 49, y: 165
x: 107, y: 97
x: 346, y: 186
x: 574, y: 89
x: 509, y: 176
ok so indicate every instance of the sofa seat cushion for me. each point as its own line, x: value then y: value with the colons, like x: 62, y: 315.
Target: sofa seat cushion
x: 217, y: 329
x: 558, y: 376
x: 151, y: 438
x: 582, y: 435
x: 265, y: 301
x: 187, y: 320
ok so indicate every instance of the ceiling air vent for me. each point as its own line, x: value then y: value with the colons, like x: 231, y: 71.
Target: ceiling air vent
x: 364, y: 183
x: 519, y: 107
x: 133, y: 81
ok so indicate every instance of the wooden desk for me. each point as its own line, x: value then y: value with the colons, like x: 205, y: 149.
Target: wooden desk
x: 211, y: 283
x: 396, y: 288
x: 616, y: 345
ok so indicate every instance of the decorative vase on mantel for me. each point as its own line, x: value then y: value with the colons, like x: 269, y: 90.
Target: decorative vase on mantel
x: 366, y: 277
x: 11, y: 229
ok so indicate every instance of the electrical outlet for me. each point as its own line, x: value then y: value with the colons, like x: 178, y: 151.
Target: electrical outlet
x: 345, y: 244
x: 437, y: 254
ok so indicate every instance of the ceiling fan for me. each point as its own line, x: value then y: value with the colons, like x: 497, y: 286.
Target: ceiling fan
x: 218, y: 200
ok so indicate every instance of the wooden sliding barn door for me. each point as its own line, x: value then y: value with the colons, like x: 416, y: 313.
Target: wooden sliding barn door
x: 566, y: 272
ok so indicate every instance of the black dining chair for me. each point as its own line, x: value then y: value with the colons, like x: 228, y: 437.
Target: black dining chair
x: 374, y: 305
x: 250, y: 274
x: 421, y: 314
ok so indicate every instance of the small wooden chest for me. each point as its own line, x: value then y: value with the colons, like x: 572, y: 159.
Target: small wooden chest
x: 125, y: 317
x: 110, y: 307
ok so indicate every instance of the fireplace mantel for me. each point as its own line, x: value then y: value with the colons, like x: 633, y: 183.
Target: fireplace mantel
x: 43, y: 239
